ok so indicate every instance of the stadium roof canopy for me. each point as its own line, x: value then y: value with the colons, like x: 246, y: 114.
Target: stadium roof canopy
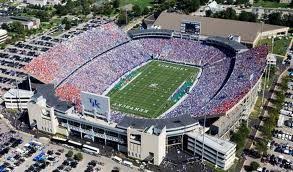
x: 48, y: 92
x: 230, y: 43
x: 248, y: 31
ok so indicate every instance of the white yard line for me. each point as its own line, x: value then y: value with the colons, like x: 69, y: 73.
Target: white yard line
x: 129, y: 81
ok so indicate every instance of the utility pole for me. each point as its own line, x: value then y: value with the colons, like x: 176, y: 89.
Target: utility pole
x: 29, y: 83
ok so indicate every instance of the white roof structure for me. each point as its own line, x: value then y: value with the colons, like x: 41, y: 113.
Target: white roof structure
x: 18, y: 93
x: 214, y: 6
x: 219, y: 145
x: 3, y: 32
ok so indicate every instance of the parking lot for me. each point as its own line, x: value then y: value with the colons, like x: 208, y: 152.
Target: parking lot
x: 15, y: 57
x: 21, y: 152
x: 279, y: 155
x: 280, y: 149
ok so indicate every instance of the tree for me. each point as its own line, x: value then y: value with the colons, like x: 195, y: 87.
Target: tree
x: 171, y: 3
x: 67, y: 23
x: 95, y: 9
x: 230, y: 2
x: 136, y: 10
x: 116, y: 3
x: 69, y: 154
x: 61, y: 10
x: 247, y: 16
x: 275, y: 18
x: 70, y: 5
x: 86, y: 9
x: 145, y: 11
x: 254, y: 165
x: 78, y: 156
x: 43, y: 15
x: 261, y: 146
x: 203, y: 2
x: 122, y: 18
x: 188, y: 6
x: 5, y: 26
x: 17, y: 27
x: 209, y: 13
x: 288, y: 19
x: 243, y: 16
x: 240, y: 136
x: 220, y: 1
x: 2, y: 46
x: 230, y: 13
x: 242, y: 1
x: 106, y: 9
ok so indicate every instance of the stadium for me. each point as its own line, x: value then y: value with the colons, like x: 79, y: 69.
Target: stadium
x: 111, y: 86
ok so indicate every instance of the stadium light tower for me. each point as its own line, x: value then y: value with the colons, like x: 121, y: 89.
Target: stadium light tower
x: 264, y: 86
x: 29, y: 82
x: 268, y: 78
x: 203, y: 136
x: 270, y: 63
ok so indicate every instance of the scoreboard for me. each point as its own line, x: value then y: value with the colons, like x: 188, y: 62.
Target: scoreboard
x: 191, y: 28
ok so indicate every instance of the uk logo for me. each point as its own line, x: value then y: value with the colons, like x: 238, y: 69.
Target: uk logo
x: 94, y: 103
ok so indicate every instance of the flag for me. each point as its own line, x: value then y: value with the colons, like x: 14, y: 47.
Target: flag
x: 251, y: 77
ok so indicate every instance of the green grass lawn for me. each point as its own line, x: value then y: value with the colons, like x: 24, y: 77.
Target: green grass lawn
x: 280, y: 45
x: 147, y: 93
x: 141, y: 3
x: 270, y: 4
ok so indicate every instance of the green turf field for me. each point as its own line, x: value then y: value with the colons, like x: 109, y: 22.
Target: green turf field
x: 147, y: 92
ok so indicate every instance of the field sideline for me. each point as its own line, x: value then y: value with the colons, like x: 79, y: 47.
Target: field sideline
x: 147, y: 94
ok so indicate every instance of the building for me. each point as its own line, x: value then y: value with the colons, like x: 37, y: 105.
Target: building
x: 148, y: 144
x: 261, y: 11
x: 3, y: 36
x: 149, y: 139
x: 214, y: 7
x: 285, y: 1
x: 42, y: 2
x: 221, y: 128
x: 219, y: 152
x: 249, y: 32
x: 27, y: 22
x: 17, y: 98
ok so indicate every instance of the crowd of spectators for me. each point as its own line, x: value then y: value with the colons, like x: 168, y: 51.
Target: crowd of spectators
x: 60, y: 61
x: 102, y: 72
x: 182, y: 51
x: 248, y: 69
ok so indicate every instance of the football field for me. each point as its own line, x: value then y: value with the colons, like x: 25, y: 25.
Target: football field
x: 148, y: 92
